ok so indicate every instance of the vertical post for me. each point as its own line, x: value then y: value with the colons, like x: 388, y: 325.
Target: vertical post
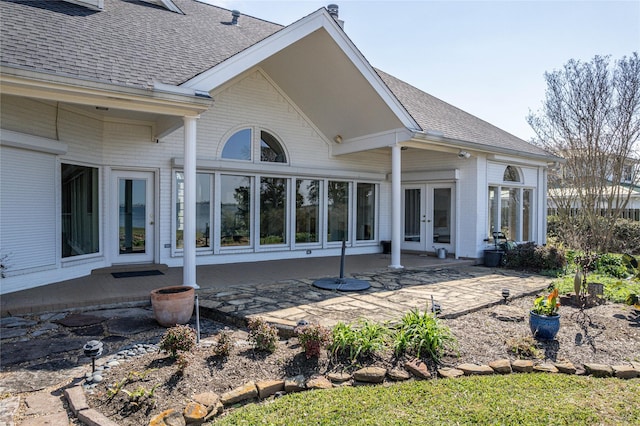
x: 189, y: 236
x: 396, y: 206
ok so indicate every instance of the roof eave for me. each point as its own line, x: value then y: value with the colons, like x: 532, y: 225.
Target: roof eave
x: 440, y: 140
x: 165, y: 100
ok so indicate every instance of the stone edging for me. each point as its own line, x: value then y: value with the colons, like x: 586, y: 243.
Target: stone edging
x: 207, y: 405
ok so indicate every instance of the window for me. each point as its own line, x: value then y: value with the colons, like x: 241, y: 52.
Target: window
x: 270, y: 149
x: 80, y: 225
x: 366, y: 211
x: 240, y: 147
x: 511, y: 174
x: 273, y: 211
x: 235, y: 210
x: 307, y: 211
x: 203, y: 210
x: 511, y: 208
x: 338, y: 211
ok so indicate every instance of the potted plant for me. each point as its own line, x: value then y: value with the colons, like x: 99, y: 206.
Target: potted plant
x: 173, y: 305
x: 544, y: 319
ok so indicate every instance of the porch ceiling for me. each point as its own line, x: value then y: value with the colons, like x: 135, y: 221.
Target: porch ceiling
x: 322, y: 80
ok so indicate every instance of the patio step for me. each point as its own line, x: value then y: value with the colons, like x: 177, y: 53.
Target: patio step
x: 130, y: 268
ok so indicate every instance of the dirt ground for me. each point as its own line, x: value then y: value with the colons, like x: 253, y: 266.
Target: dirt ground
x: 606, y: 333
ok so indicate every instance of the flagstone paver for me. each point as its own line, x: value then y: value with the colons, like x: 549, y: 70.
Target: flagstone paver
x: 458, y: 290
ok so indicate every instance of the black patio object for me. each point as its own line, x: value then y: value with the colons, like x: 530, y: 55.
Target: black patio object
x: 342, y: 283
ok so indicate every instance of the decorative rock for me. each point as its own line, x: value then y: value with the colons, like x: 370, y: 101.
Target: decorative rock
x: 475, y: 370
x: 97, y: 378
x: 625, y: 372
x: 215, y: 410
x: 450, y: 373
x: 76, y: 398
x: 398, y: 374
x: 241, y: 393
x: 566, y: 367
x: 508, y: 314
x: 170, y: 417
x: 599, y: 370
x: 370, y: 374
x: 418, y: 369
x: 635, y: 365
x: 266, y: 388
x: 522, y: 366
x: 319, y: 382
x: 294, y: 384
x: 501, y: 366
x: 545, y: 368
x: 339, y: 377
x: 194, y: 412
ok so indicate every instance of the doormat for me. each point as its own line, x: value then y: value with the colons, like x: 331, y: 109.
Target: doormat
x: 132, y: 274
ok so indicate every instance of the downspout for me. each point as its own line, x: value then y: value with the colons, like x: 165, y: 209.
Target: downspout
x: 396, y: 205
x: 189, y: 236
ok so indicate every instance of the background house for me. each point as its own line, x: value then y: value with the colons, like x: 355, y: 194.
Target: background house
x: 182, y: 133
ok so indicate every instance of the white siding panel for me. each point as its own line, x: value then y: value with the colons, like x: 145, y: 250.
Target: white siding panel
x: 28, y: 200
x: 29, y: 116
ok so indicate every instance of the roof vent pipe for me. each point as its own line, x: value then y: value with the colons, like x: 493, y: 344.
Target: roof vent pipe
x: 333, y: 11
x: 235, y: 14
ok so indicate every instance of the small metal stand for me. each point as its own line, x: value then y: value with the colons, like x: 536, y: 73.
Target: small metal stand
x: 93, y: 349
x: 435, y: 307
x: 342, y: 283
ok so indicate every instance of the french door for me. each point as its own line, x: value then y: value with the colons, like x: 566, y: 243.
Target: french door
x: 429, y: 212
x: 132, y: 216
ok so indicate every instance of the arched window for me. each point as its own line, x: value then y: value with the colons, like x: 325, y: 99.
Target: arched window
x: 270, y: 149
x: 511, y: 174
x: 238, y: 147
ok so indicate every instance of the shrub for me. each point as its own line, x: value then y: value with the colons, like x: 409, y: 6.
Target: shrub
x: 178, y: 338
x: 224, y: 344
x: 262, y: 335
x: 420, y: 333
x: 612, y: 265
x: 365, y: 339
x: 531, y: 257
x: 523, y: 347
x: 313, y: 338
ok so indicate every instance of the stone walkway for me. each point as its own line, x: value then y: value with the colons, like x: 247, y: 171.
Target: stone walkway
x: 44, y: 352
x: 458, y: 290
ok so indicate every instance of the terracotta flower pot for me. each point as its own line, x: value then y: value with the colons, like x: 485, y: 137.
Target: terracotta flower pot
x: 173, y: 305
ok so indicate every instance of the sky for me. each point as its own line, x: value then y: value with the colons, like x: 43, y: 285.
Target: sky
x: 487, y: 58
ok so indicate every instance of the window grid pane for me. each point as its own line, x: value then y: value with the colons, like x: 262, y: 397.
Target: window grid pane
x: 235, y: 210
x: 338, y: 211
x: 273, y: 211
x: 366, y: 212
x: 307, y: 211
x: 80, y: 221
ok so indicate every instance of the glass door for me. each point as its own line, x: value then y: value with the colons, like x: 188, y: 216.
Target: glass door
x: 428, y: 217
x: 133, y: 221
x: 414, y: 218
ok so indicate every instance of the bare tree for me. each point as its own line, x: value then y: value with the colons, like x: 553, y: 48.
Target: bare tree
x: 591, y: 117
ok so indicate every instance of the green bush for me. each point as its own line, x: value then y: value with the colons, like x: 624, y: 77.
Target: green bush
x: 612, y: 265
x: 358, y: 341
x: 262, y: 335
x: 626, y: 234
x: 531, y: 257
x: 420, y: 333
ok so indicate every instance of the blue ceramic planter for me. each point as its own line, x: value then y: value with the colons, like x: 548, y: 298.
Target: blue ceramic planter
x: 544, y: 327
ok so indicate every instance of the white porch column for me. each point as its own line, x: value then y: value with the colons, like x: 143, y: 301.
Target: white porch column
x: 396, y: 206
x: 189, y: 233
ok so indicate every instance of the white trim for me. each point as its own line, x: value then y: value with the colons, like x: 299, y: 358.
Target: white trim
x: 373, y: 141
x: 229, y: 166
x: 252, y: 56
x: 32, y: 143
x: 89, y: 4
x: 431, y: 175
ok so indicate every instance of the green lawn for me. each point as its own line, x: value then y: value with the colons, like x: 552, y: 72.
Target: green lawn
x: 523, y: 399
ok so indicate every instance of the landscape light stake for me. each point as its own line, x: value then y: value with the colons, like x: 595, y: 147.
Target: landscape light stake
x: 93, y: 349
x: 505, y: 294
x: 197, y: 320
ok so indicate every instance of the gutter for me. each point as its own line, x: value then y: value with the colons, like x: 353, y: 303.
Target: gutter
x: 438, y: 138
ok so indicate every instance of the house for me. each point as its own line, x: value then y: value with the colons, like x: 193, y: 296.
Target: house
x: 181, y: 133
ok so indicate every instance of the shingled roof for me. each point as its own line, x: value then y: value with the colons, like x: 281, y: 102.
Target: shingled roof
x: 135, y: 43
x: 130, y: 42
